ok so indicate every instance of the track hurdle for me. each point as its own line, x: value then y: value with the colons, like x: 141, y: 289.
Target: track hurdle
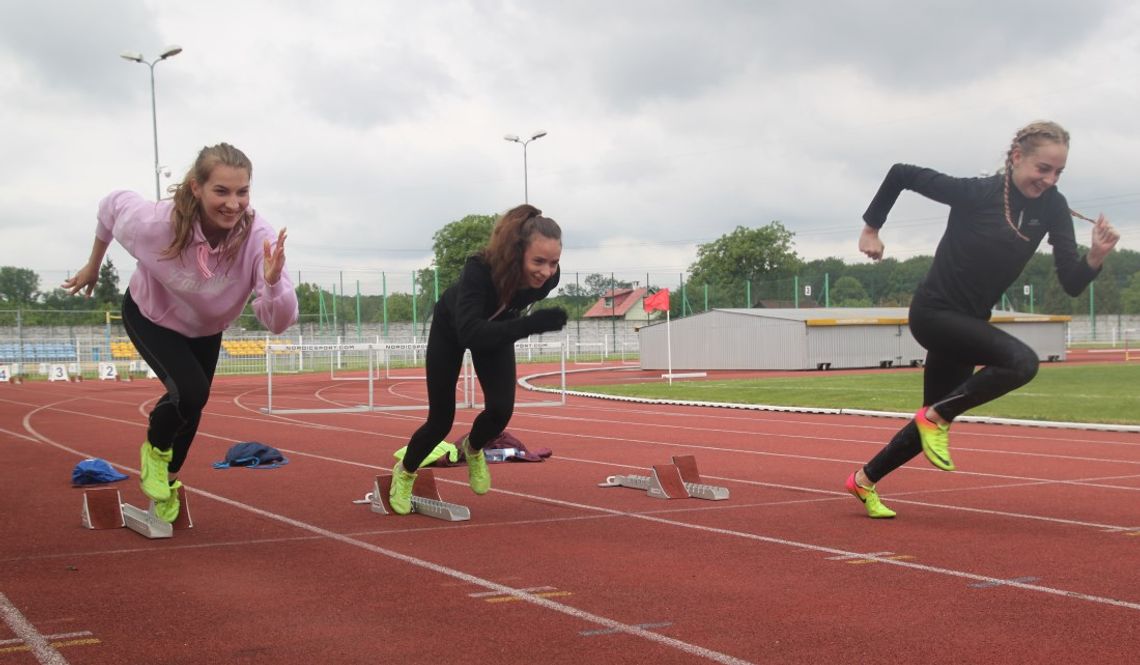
x: 679, y: 480
x: 103, y: 508
x: 425, y: 498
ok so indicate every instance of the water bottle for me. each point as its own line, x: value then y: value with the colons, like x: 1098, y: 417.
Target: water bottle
x: 499, y: 454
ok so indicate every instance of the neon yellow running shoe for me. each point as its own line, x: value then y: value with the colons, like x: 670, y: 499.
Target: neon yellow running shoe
x: 154, y: 477
x: 400, y: 495
x: 167, y: 510
x: 478, y: 475
x: 870, y: 499
x: 935, y: 441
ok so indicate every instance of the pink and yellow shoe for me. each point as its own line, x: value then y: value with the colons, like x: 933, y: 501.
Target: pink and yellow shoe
x: 935, y: 440
x: 870, y: 499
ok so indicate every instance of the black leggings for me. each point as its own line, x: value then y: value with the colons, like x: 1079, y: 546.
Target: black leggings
x: 443, y: 361
x: 186, y: 367
x: 955, y: 344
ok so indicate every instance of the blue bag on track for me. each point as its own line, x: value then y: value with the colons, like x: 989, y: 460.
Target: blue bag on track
x: 94, y: 471
x: 252, y: 454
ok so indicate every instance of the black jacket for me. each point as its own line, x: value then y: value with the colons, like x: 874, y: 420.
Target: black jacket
x: 979, y: 255
x: 469, y: 307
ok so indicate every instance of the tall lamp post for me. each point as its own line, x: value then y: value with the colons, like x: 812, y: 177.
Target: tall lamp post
x: 523, y: 142
x: 170, y: 52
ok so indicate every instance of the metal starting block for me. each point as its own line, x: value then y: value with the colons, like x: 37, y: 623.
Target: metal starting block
x: 425, y: 498
x: 679, y: 480
x: 104, y: 509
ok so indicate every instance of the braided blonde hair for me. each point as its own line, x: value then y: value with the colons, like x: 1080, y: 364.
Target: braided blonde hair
x: 1027, y: 140
x: 187, y: 208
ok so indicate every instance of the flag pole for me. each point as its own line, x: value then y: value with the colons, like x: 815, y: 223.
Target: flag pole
x: 669, y: 347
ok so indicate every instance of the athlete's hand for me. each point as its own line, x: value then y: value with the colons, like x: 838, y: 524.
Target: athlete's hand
x: 1104, y: 239
x: 274, y: 258
x: 83, y: 280
x: 548, y: 319
x: 870, y: 244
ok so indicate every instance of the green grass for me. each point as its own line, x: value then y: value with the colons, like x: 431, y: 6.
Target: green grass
x: 1071, y: 393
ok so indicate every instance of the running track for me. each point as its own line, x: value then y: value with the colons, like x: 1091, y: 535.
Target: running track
x: 1002, y: 561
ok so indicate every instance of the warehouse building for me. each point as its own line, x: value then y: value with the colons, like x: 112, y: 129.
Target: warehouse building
x: 819, y: 338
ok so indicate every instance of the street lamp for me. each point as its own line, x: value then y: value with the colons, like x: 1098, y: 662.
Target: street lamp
x: 170, y: 52
x: 533, y: 137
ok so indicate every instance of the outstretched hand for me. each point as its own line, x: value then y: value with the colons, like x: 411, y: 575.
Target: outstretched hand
x: 83, y: 280
x: 274, y: 258
x: 548, y: 319
x: 1104, y: 239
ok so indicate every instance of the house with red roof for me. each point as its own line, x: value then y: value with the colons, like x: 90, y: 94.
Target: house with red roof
x: 623, y: 304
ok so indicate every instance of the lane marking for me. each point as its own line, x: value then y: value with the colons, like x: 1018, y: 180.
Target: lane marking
x: 646, y: 626
x: 990, y: 585
x: 590, y: 617
x: 43, y: 651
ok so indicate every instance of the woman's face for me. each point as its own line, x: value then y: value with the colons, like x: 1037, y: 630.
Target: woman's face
x: 1035, y: 172
x: 540, y: 260
x: 224, y: 198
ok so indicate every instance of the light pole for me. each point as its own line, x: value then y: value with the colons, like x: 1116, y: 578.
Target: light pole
x: 170, y: 52
x: 533, y: 137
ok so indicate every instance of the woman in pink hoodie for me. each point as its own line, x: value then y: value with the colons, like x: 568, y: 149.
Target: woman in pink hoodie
x: 199, y: 256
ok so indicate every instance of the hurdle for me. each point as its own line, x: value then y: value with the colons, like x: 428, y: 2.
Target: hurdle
x: 375, y: 354
x: 473, y: 391
x: 103, y: 508
x: 425, y: 498
x: 679, y: 480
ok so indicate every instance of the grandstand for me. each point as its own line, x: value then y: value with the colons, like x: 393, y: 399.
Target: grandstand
x: 37, y: 352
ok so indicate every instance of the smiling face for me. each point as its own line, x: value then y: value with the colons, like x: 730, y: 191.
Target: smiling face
x: 1034, y: 172
x: 223, y: 198
x: 540, y: 260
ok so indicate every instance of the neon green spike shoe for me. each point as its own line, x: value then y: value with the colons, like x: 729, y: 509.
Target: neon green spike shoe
x: 400, y: 495
x: 167, y: 510
x: 870, y: 499
x: 154, y: 477
x: 478, y: 475
x: 935, y: 441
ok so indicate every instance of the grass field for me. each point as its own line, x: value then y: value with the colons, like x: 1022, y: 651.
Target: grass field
x: 1074, y: 393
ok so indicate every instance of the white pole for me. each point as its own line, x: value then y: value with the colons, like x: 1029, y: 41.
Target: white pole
x: 669, y: 347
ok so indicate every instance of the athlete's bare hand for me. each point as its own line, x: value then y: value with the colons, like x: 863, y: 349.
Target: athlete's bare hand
x: 870, y: 244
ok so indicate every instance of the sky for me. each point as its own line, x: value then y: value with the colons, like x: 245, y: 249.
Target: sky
x: 371, y: 125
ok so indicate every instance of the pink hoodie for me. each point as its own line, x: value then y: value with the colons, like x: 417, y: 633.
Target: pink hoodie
x: 192, y: 293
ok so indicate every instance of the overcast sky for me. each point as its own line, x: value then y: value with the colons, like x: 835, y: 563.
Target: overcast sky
x: 373, y: 124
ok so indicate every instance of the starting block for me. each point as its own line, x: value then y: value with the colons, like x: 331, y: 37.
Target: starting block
x: 103, y: 508
x: 679, y: 480
x: 425, y: 498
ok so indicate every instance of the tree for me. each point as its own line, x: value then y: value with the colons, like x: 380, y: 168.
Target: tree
x: 452, y: 245
x: 18, y: 286
x: 848, y: 292
x: 1130, y: 296
x: 107, y: 288
x: 598, y: 284
x: 745, y: 255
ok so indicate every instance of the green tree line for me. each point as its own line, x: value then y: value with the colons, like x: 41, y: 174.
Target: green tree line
x: 747, y: 267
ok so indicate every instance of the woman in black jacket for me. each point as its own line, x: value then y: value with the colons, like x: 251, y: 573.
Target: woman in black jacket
x: 995, y: 226
x: 517, y: 268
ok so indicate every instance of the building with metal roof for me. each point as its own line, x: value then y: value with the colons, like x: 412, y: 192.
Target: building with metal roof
x: 817, y: 338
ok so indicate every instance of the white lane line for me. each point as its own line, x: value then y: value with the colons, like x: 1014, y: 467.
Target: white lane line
x: 44, y: 652
x: 605, y: 622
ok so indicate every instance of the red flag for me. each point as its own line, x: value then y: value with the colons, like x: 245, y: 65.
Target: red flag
x: 659, y: 300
